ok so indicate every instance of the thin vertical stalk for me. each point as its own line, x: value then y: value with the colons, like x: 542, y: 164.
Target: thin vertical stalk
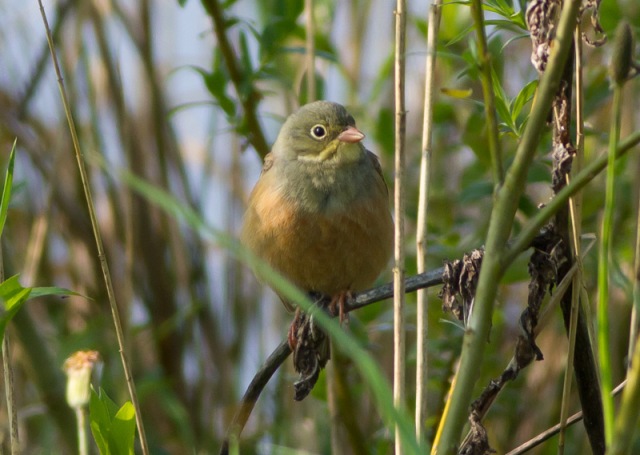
x: 399, y: 270
x: 501, y: 222
x: 635, y: 310
x: 423, y: 204
x: 634, y: 325
x: 83, y: 437
x: 9, y: 392
x: 310, y: 54
x: 626, y: 425
x: 8, y: 380
x: 97, y: 236
x: 6, y: 351
x: 575, y: 204
x: 488, y: 94
x: 603, y: 269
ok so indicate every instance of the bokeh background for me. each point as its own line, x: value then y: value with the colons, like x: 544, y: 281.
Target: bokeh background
x: 150, y: 93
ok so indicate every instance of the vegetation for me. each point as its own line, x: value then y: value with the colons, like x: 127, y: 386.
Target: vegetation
x: 175, y: 104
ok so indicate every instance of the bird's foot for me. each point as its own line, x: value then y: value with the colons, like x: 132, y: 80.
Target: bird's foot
x: 292, y: 336
x: 337, y: 306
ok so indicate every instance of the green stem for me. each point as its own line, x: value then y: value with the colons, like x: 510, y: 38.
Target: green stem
x: 8, y: 377
x: 83, y: 440
x: 488, y: 94
x: 532, y: 228
x: 502, y: 216
x: 603, y: 270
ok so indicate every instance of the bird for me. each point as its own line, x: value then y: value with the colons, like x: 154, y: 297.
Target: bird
x: 319, y: 214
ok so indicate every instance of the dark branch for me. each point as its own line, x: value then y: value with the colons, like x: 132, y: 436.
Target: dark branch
x: 413, y: 283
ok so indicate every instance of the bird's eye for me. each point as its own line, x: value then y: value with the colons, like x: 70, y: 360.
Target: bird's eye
x: 318, y: 131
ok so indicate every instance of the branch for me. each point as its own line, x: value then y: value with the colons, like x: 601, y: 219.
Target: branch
x: 247, y: 94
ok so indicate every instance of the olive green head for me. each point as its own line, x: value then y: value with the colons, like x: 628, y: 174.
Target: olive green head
x: 318, y: 132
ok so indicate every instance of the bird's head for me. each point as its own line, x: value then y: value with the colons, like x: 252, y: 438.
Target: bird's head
x: 321, y: 131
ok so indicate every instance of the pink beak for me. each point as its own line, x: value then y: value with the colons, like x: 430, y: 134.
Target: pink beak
x: 351, y: 135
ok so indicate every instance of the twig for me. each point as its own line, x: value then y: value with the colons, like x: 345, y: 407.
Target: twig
x: 98, y: 238
x: 530, y: 444
x: 423, y: 203
x: 247, y: 93
x: 399, y: 335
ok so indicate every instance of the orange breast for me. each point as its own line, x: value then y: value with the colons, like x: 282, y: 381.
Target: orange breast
x: 327, y: 253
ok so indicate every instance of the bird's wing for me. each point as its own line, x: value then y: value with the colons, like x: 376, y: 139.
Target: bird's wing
x: 376, y: 165
x: 268, y: 163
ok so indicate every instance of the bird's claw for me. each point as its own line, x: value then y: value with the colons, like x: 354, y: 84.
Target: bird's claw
x: 337, y: 306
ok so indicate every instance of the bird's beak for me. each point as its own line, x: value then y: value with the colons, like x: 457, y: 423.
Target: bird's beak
x: 351, y: 135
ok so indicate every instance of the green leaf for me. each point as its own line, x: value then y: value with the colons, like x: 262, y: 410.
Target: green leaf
x: 216, y: 83
x: 247, y: 65
x: 459, y: 36
x: 505, y: 10
x: 457, y: 93
x: 6, y: 190
x: 113, y: 429
x: 13, y: 296
x: 54, y: 291
x: 124, y: 428
x: 523, y: 98
x: 99, y: 420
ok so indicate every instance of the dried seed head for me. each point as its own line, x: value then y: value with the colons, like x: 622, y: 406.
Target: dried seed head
x: 79, y: 367
x: 542, y: 17
x: 622, y: 58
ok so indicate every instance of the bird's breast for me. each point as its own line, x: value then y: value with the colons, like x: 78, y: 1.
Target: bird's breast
x: 325, y: 235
